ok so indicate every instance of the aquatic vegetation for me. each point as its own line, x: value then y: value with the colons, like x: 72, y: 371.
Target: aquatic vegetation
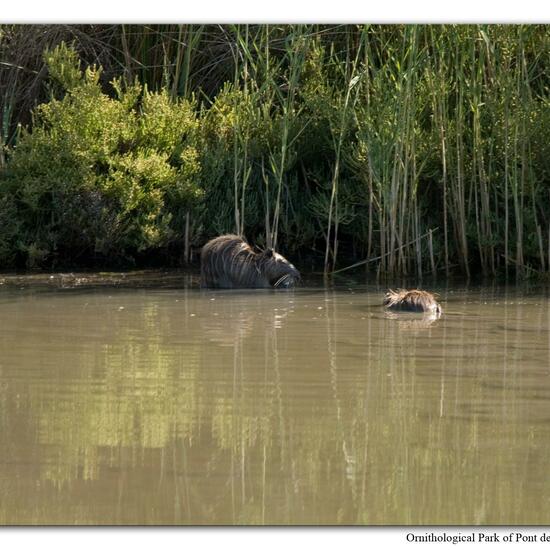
x: 423, y: 147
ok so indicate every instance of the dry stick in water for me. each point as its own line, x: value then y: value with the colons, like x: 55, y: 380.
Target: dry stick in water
x: 523, y: 266
x: 541, y: 248
x: 430, y: 244
x: 187, y: 248
x: 383, y: 255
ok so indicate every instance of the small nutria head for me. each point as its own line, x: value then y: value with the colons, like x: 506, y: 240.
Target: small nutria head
x: 277, y: 269
x: 412, y: 300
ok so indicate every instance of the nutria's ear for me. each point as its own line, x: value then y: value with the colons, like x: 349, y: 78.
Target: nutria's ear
x: 268, y: 252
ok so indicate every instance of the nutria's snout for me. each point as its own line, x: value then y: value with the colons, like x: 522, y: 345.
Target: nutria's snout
x: 287, y: 275
x: 420, y: 301
x: 287, y: 281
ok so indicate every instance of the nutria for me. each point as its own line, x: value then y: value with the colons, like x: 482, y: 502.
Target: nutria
x: 412, y: 300
x: 229, y: 261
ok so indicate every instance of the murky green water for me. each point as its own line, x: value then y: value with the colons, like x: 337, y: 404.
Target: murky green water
x: 144, y: 400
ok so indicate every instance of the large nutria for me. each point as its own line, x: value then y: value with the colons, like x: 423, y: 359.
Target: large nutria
x: 412, y: 300
x: 230, y: 262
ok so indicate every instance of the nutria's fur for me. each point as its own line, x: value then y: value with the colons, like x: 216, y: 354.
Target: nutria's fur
x: 412, y: 300
x: 230, y: 262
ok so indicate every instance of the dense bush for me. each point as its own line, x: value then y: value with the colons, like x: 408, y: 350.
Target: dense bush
x: 99, y: 177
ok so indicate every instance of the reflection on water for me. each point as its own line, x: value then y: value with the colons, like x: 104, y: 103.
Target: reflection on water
x: 180, y: 406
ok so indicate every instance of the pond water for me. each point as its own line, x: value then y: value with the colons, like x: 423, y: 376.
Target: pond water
x: 140, y: 399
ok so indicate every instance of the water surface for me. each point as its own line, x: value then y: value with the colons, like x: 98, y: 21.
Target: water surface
x: 140, y: 399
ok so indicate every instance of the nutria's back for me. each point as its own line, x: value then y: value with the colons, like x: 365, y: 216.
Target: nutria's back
x: 229, y: 261
x: 222, y: 259
x: 412, y: 300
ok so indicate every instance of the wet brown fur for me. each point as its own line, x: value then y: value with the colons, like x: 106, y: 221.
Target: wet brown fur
x: 229, y: 261
x: 412, y: 300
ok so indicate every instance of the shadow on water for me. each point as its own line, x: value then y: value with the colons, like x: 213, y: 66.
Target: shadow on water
x: 140, y: 399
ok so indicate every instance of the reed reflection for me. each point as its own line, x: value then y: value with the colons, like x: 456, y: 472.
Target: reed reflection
x: 309, y: 407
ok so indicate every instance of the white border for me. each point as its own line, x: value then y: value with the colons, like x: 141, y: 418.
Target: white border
x: 276, y: 11
x: 236, y: 538
x: 257, y: 11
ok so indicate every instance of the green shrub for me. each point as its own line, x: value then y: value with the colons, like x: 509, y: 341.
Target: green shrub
x: 100, y: 177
